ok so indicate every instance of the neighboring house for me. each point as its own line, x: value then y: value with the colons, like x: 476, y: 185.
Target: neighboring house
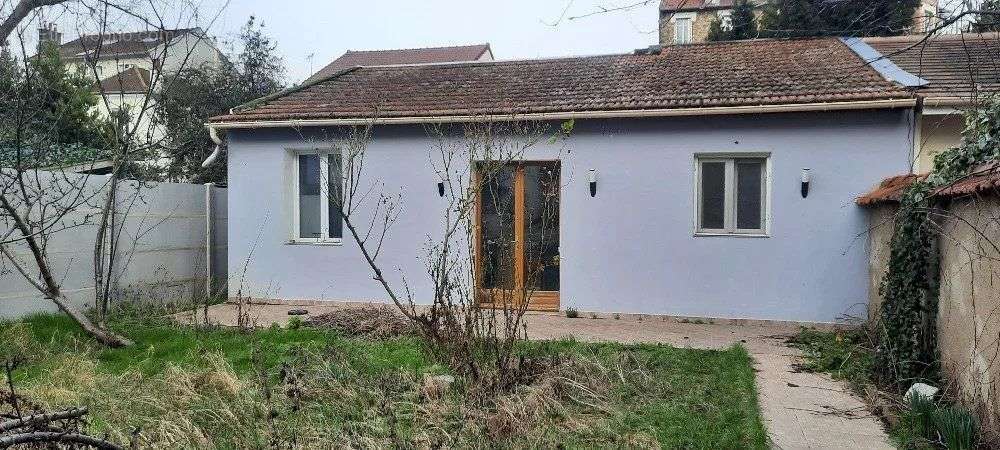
x: 697, y: 209
x: 430, y: 55
x: 689, y: 21
x: 127, y: 67
x: 959, y: 68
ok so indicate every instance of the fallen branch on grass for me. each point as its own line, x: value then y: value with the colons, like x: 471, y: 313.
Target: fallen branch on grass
x: 55, y: 436
x: 38, y: 419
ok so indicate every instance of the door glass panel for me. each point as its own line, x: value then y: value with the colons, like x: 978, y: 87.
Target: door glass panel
x: 541, y: 227
x: 748, y: 194
x: 497, y: 217
x: 713, y: 195
x: 309, y: 196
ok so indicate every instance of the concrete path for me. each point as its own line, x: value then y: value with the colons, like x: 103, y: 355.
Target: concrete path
x: 801, y: 410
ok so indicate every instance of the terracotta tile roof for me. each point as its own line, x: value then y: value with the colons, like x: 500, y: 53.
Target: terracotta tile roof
x: 117, y: 45
x: 354, y: 58
x: 890, y: 190
x: 956, y: 65
x: 669, y: 6
x: 738, y: 73
x: 131, y: 81
x: 692, y: 5
x: 983, y: 179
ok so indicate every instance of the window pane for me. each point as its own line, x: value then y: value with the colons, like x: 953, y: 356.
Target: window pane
x: 713, y: 195
x: 335, y: 183
x: 309, y: 218
x: 497, y: 217
x: 682, y: 31
x: 748, y: 195
x: 541, y: 226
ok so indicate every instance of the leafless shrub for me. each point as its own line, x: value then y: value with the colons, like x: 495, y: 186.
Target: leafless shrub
x: 474, y: 317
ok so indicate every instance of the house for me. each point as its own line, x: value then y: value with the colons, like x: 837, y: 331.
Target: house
x: 697, y: 206
x: 429, y: 55
x: 127, y: 67
x: 960, y: 70
x: 689, y: 21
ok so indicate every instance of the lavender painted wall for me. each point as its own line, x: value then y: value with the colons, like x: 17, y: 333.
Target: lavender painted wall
x: 632, y: 247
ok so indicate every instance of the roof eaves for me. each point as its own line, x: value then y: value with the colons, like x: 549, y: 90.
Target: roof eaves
x: 231, y: 121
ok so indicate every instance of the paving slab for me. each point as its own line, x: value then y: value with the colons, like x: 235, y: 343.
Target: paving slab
x: 800, y: 410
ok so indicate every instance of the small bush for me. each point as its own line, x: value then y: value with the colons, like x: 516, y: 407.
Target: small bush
x: 846, y: 355
x: 919, y: 416
x: 618, y: 316
x: 957, y: 427
x: 572, y: 313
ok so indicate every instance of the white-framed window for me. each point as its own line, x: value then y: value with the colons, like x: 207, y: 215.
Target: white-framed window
x: 317, y: 182
x: 682, y: 30
x: 732, y: 194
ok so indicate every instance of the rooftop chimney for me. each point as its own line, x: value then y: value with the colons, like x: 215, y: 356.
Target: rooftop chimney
x: 651, y: 50
x: 48, y: 32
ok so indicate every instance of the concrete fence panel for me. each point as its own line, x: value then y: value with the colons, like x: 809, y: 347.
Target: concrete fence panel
x: 162, y: 247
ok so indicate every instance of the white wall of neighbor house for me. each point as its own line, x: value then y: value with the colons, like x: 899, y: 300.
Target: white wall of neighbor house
x: 162, y: 250
x: 142, y: 113
x: 633, y: 247
x: 184, y: 52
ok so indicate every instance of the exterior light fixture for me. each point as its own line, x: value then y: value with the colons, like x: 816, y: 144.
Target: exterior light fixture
x: 805, y: 182
x: 592, y: 178
x: 440, y: 184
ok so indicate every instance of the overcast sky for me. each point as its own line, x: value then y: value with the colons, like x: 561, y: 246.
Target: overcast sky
x: 514, y: 28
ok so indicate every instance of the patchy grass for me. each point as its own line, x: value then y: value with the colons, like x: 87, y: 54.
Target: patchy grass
x: 845, y: 355
x: 916, y: 423
x: 307, y: 388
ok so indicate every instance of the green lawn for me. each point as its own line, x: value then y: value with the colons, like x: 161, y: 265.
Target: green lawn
x: 185, y: 388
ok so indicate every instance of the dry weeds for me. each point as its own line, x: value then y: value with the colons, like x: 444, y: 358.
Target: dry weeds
x: 369, y: 322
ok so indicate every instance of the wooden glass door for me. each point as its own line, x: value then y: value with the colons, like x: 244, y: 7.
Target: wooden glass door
x: 517, y: 251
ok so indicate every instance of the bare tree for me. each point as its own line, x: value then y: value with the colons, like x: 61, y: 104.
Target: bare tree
x: 37, y: 202
x: 484, y: 271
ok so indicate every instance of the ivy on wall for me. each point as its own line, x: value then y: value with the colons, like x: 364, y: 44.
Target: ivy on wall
x: 907, y: 348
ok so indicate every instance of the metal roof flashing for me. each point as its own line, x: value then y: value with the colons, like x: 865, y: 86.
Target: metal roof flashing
x: 882, y: 64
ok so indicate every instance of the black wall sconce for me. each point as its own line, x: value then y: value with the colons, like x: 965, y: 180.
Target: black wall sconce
x: 440, y: 184
x: 592, y: 178
x: 805, y: 182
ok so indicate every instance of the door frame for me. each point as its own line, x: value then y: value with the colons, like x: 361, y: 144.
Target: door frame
x: 537, y: 300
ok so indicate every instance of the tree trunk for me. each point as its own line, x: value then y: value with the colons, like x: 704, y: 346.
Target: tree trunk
x: 49, y: 287
x: 103, y: 336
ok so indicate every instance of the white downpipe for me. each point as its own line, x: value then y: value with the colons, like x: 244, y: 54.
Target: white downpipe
x: 213, y: 133
x: 208, y: 239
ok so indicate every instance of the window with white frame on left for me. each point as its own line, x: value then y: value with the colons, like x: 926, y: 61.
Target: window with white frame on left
x: 682, y: 31
x: 318, y: 194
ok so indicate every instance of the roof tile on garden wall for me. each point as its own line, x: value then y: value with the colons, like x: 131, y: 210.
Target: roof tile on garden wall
x: 984, y: 179
x: 890, y: 190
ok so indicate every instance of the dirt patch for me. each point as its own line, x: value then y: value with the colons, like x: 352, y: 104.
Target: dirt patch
x: 370, y: 322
